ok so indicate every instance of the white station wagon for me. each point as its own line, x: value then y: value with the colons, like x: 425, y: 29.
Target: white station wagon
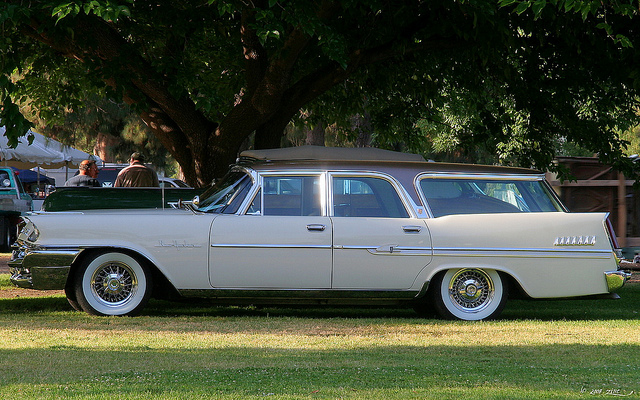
x: 331, y: 226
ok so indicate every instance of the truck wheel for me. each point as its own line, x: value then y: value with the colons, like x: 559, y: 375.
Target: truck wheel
x: 469, y: 294
x: 5, y: 235
x: 112, y: 283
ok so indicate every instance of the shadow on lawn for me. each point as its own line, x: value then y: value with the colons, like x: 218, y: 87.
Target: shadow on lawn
x: 625, y: 308
x: 246, y: 371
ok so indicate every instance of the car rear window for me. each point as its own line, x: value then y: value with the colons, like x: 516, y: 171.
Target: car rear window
x: 484, y: 196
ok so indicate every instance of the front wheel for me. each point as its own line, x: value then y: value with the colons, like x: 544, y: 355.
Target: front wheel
x: 469, y: 294
x: 112, y: 283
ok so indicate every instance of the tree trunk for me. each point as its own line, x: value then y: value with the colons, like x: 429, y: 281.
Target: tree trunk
x: 104, y: 142
x: 362, y: 124
x: 315, y: 136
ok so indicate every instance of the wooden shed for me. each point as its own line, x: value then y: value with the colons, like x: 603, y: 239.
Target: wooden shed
x: 598, y: 188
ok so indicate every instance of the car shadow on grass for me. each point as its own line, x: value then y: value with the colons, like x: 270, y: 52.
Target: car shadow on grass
x: 624, y: 308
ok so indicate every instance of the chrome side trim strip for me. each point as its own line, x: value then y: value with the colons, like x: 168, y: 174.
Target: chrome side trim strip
x: 269, y: 246
x: 375, y: 247
x: 399, y: 250
x: 518, y: 252
x: 441, y: 252
x: 373, y: 250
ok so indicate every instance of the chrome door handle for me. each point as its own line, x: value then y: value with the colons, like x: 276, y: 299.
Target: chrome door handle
x: 316, y: 227
x: 412, y: 228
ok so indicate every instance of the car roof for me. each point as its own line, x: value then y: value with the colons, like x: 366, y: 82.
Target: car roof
x: 321, y: 153
x: 310, y: 157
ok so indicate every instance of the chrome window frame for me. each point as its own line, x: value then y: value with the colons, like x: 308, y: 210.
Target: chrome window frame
x: 326, y: 186
x: 411, y: 209
x: 253, y: 176
x: 495, y: 177
x: 259, y: 183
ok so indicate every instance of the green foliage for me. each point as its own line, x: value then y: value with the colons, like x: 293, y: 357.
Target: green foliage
x: 503, y: 82
x: 97, y: 115
x: 107, y: 10
x: 586, y: 9
x: 522, y: 102
x: 632, y: 136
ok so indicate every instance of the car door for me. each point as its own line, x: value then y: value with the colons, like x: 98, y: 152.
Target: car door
x: 282, y: 241
x: 377, y: 243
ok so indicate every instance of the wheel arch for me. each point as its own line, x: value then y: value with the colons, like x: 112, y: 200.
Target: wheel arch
x: 516, y: 290
x: 162, y: 287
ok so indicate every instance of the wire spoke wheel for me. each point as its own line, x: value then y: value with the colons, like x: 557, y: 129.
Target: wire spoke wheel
x: 471, y: 290
x: 112, y: 284
x: 469, y: 294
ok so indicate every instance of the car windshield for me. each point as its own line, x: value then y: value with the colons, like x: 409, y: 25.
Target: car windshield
x: 226, y: 195
x: 482, y: 196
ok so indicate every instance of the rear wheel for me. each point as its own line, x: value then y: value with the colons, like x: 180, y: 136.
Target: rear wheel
x: 112, y: 283
x: 469, y: 294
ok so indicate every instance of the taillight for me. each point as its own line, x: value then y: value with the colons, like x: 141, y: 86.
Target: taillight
x: 612, y: 234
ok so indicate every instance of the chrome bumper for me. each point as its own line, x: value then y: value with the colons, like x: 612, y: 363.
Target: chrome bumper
x: 616, y: 279
x: 41, y: 269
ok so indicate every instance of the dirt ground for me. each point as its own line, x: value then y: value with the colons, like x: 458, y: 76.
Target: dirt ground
x: 4, y: 268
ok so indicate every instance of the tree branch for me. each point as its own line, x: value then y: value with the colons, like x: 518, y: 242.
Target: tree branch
x: 255, y: 55
x: 175, y: 122
x: 320, y: 81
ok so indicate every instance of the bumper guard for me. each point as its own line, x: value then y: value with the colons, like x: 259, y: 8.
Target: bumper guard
x: 42, y: 269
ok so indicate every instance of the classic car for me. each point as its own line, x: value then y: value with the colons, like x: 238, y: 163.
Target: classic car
x: 331, y: 226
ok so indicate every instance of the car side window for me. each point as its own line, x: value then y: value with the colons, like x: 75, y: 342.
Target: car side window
x: 288, y: 196
x: 256, y: 205
x: 366, y: 197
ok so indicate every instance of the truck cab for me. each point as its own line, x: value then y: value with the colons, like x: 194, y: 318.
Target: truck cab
x: 13, y: 202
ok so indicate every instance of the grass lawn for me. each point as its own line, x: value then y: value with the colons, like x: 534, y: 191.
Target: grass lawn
x: 577, y: 349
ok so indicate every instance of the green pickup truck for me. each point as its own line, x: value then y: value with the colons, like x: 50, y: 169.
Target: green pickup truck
x: 14, y: 201
x: 100, y: 198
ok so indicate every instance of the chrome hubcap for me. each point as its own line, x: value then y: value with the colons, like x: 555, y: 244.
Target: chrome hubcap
x: 113, y: 283
x: 471, y: 290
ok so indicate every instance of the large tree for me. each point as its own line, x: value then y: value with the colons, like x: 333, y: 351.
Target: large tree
x: 206, y: 75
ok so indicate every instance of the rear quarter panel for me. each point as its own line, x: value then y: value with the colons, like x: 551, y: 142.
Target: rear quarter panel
x: 522, y: 245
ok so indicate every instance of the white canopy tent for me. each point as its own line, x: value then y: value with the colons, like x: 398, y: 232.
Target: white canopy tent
x: 44, y: 152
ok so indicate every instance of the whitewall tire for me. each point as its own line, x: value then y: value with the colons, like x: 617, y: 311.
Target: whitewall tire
x: 112, y: 283
x: 470, y: 294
